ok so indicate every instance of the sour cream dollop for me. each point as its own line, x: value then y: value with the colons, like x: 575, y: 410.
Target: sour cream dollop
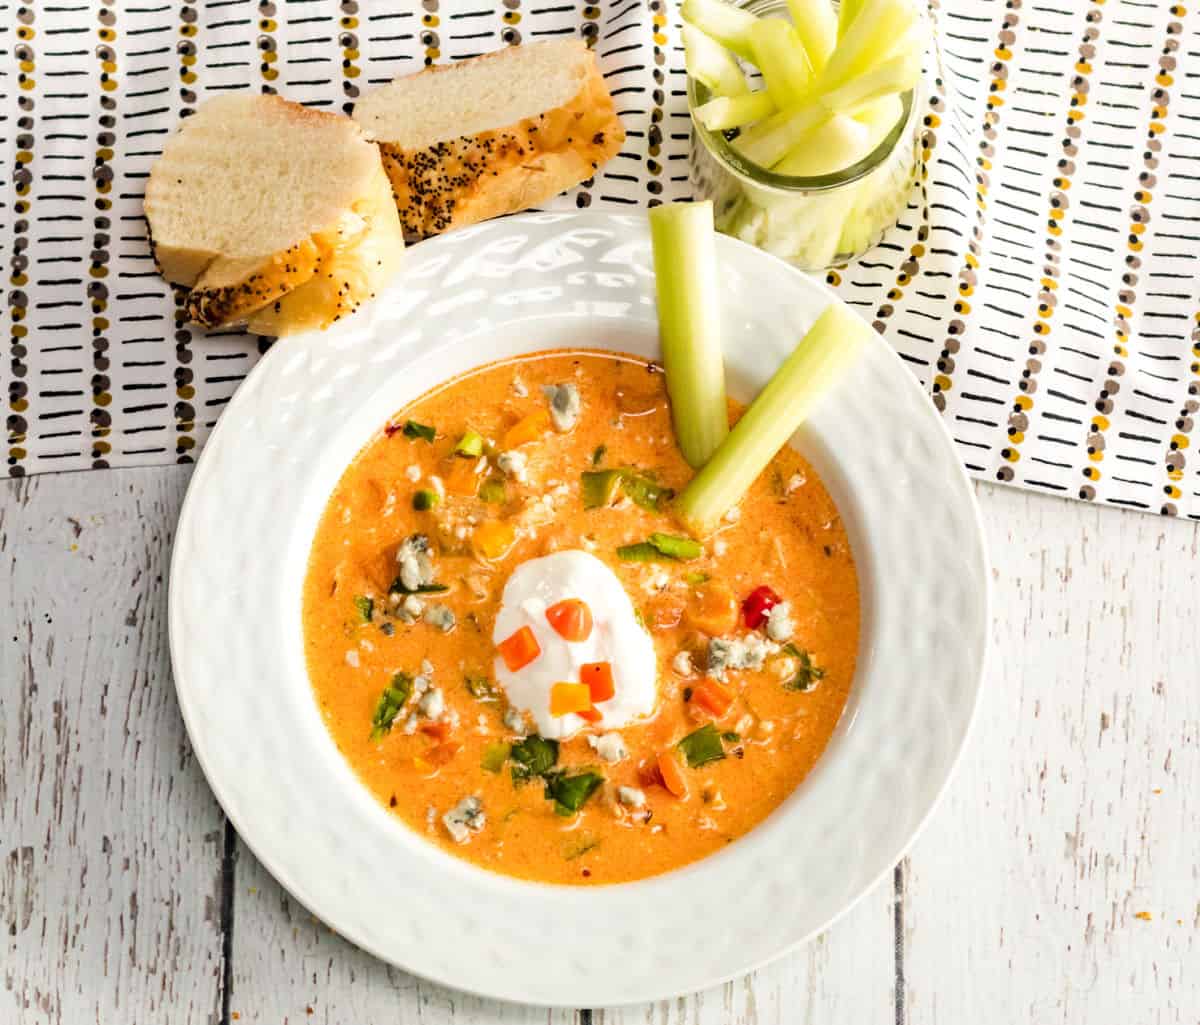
x: 616, y: 638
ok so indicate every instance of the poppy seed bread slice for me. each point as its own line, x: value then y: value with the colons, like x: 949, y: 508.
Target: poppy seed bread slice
x: 491, y: 135
x: 251, y: 197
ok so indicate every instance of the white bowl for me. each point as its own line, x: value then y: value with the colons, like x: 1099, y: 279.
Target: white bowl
x: 519, y: 285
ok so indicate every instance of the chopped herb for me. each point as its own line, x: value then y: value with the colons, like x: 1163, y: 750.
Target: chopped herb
x: 661, y: 547
x: 697, y: 578
x: 644, y: 491
x: 569, y: 792
x: 598, y: 455
x: 702, y: 746
x: 676, y: 547
x: 494, y: 757
x: 533, y: 756
x: 397, y: 587
x: 425, y: 499
x: 387, y: 629
x: 687, y: 693
x: 469, y: 445
x: 391, y: 701
x: 493, y: 490
x: 643, y: 551
x: 639, y: 618
x: 599, y: 487
x: 481, y: 688
x: 365, y: 606
x: 730, y: 737
x: 578, y: 848
x: 412, y: 429
x: 808, y: 676
x: 790, y: 650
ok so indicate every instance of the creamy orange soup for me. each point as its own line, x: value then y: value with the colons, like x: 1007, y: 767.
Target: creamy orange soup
x: 751, y: 640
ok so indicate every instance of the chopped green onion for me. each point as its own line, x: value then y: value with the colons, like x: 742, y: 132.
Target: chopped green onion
x: 727, y: 24
x: 730, y: 737
x: 816, y: 23
x: 724, y: 112
x: 702, y: 746
x: 482, y: 689
x: 365, y: 606
x: 533, y: 756
x: 493, y: 491
x: 425, y: 499
x: 598, y: 488
x: 820, y: 359
x: 397, y: 587
x: 643, y: 551
x: 689, y: 318
x: 643, y: 491
x: 780, y: 57
x: 569, y: 792
x: 470, y: 445
x: 809, y: 674
x: 391, y: 701
x: 580, y: 847
x: 709, y: 62
x: 412, y: 429
x: 697, y: 578
x: 494, y: 757
x: 675, y: 547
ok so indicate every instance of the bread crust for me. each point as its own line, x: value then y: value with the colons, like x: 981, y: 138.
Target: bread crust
x: 460, y: 181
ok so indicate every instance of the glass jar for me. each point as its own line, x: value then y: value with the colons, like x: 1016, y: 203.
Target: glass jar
x: 814, y: 222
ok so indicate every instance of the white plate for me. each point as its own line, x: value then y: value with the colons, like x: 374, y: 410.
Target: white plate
x: 517, y: 285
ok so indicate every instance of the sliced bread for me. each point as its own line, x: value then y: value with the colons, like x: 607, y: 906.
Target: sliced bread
x: 491, y: 135
x: 252, y: 197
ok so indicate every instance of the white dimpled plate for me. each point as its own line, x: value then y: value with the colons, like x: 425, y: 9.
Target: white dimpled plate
x: 518, y: 285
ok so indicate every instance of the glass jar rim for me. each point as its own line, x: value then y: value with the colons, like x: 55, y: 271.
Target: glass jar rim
x: 763, y: 177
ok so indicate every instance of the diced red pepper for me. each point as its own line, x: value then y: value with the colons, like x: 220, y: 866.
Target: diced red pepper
x: 599, y: 678
x: 571, y: 619
x: 590, y: 715
x: 436, y: 730
x: 758, y: 603
x: 519, y: 650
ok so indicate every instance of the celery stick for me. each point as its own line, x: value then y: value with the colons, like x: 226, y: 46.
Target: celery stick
x: 769, y: 141
x: 709, y: 62
x: 895, y: 75
x: 726, y: 112
x: 689, y: 319
x: 780, y: 57
x: 839, y: 142
x: 879, y: 117
x: 847, y: 9
x: 870, y: 37
x: 728, y: 25
x: 820, y: 359
x: 817, y: 25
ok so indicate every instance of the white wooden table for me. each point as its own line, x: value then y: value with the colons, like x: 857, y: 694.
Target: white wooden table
x: 1057, y: 882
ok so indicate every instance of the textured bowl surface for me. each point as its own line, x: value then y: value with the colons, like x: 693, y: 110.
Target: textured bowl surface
x: 518, y: 285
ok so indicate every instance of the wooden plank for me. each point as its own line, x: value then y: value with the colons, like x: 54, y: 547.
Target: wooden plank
x: 110, y: 842
x: 1075, y: 809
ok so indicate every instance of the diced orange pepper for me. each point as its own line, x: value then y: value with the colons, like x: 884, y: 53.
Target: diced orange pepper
x: 672, y: 774
x: 590, y: 714
x: 571, y: 619
x: 599, y: 679
x: 528, y: 428
x: 460, y: 477
x: 713, y: 609
x: 569, y: 697
x: 493, y: 539
x: 712, y: 696
x: 519, y: 650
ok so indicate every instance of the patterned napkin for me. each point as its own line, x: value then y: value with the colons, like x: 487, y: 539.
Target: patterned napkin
x: 1042, y: 285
